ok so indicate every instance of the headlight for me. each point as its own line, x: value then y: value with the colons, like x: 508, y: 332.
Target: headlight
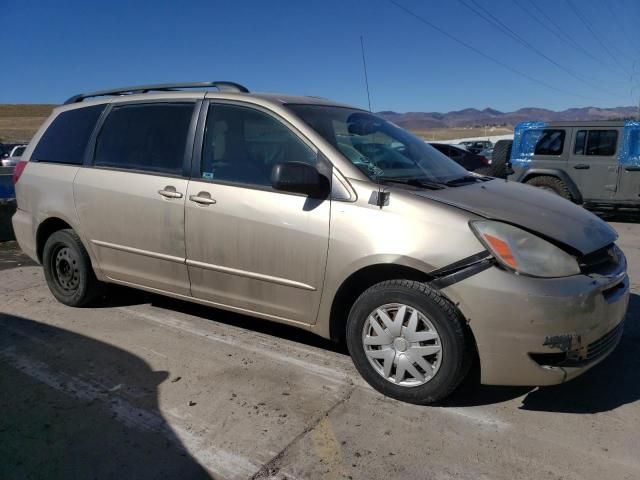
x: 523, y: 252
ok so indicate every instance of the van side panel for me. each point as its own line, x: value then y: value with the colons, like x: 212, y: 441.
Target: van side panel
x: 46, y: 191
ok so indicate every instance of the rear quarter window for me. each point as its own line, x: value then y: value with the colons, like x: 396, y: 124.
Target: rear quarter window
x: 551, y: 142
x: 66, y: 138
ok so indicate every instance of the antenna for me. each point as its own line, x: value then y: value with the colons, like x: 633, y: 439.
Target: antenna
x: 364, y: 65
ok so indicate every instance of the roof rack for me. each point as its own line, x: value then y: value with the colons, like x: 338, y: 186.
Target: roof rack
x: 162, y: 87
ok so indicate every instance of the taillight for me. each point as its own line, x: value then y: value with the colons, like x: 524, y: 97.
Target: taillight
x: 485, y: 160
x: 18, y: 171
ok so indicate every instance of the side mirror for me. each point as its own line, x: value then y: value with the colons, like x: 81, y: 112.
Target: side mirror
x: 298, y: 177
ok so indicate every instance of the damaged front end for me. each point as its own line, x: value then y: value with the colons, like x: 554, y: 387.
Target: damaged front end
x: 573, y: 352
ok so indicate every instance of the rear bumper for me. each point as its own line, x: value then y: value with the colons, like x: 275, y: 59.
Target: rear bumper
x: 24, y: 230
x: 532, y: 331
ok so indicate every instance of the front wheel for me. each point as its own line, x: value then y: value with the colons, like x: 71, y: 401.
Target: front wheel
x: 408, y: 342
x: 68, y: 270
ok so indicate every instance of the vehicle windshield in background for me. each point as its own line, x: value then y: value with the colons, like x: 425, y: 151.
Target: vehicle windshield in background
x: 380, y: 149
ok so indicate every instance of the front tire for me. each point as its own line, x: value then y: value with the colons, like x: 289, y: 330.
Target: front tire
x: 68, y: 270
x: 408, y: 342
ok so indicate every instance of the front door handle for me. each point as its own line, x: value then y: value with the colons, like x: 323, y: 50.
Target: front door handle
x: 632, y: 168
x: 582, y: 166
x: 202, y: 198
x: 170, y: 192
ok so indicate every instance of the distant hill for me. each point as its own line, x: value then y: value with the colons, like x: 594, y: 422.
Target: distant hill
x: 470, y: 117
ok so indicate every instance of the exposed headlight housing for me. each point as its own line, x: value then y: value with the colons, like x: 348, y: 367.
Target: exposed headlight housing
x: 523, y: 252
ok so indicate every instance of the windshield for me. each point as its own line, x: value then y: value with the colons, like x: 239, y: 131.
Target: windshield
x: 380, y: 149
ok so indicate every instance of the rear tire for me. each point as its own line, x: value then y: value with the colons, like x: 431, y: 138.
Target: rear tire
x: 418, y: 358
x: 551, y: 184
x: 68, y: 270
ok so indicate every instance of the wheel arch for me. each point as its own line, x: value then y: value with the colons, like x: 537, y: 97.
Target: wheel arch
x: 557, y: 173
x: 360, y: 280
x: 52, y: 224
x: 46, y: 228
x: 356, y: 283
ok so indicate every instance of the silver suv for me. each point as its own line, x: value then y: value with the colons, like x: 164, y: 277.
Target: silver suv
x: 326, y: 217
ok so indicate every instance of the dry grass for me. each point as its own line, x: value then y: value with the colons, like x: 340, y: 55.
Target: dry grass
x: 436, y: 134
x: 18, y: 123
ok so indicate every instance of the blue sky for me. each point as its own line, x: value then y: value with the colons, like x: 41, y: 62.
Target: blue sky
x: 54, y: 49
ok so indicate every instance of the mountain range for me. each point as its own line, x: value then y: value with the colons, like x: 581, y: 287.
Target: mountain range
x: 470, y: 117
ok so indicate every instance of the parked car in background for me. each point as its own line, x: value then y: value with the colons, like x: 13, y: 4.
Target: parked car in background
x: 593, y: 163
x: 326, y: 217
x: 14, y: 156
x: 476, y: 146
x: 5, y: 149
x: 487, y: 153
x: 468, y: 160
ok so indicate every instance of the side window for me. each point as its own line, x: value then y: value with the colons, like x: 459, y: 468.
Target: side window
x: 149, y: 137
x: 600, y: 143
x: 551, y: 142
x: 66, y: 138
x: 242, y: 145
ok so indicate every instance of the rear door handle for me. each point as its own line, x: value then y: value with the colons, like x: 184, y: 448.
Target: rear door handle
x: 633, y: 168
x: 202, y: 198
x: 170, y: 192
x: 582, y: 166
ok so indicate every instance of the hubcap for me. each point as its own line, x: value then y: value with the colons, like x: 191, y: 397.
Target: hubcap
x: 66, y: 270
x: 402, y: 344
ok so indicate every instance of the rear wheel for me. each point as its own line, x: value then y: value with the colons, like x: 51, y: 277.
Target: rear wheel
x: 68, y: 270
x: 408, y: 341
x: 551, y: 184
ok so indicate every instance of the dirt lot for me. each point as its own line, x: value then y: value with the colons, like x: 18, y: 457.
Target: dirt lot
x: 146, y: 387
x: 435, y: 134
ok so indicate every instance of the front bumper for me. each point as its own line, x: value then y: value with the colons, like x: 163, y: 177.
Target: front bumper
x: 534, y: 331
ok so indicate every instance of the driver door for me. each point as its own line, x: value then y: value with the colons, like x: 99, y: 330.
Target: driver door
x: 250, y: 247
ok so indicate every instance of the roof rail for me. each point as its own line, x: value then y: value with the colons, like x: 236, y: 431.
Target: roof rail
x: 161, y: 87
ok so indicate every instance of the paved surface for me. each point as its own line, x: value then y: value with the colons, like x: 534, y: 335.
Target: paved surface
x: 146, y: 387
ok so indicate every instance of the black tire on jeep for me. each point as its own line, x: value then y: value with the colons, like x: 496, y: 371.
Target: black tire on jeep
x: 501, y: 155
x: 551, y: 184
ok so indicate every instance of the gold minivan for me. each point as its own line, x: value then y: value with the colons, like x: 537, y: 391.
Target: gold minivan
x: 323, y: 216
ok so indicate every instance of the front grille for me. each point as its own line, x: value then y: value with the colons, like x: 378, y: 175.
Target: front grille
x: 603, y: 261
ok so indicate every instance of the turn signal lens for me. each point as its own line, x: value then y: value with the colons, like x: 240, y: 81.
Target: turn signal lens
x: 502, y: 250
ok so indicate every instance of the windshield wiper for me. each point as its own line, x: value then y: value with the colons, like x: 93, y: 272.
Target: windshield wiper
x: 415, y: 182
x: 464, y: 180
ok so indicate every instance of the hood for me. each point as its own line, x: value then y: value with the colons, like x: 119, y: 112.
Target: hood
x: 530, y: 208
